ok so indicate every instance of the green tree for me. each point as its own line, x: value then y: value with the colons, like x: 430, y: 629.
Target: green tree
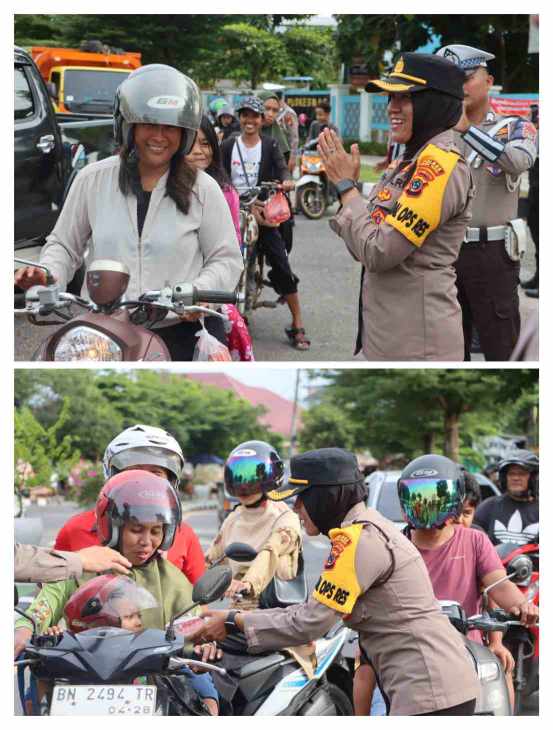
x: 44, y: 449
x: 372, y: 36
x: 191, y: 43
x: 251, y: 54
x: 312, y: 52
x: 414, y: 411
x: 90, y: 419
x: 326, y: 425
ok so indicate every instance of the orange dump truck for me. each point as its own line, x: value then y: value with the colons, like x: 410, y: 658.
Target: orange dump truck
x: 81, y: 82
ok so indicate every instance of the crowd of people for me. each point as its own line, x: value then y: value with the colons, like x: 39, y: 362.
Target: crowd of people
x: 385, y: 583
x: 439, y: 237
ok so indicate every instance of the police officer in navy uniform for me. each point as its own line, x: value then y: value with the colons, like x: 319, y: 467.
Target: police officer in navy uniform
x: 498, y: 150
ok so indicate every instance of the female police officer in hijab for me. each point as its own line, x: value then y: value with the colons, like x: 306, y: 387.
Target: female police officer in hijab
x: 376, y: 581
x: 408, y: 234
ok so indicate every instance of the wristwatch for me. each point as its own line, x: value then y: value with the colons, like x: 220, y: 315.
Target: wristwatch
x: 342, y: 186
x: 230, y: 623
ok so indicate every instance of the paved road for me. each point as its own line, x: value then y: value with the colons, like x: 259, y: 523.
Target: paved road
x: 329, y: 289
x: 205, y: 525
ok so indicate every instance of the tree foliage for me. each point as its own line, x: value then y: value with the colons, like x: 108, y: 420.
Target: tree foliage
x: 44, y: 449
x: 204, y: 46
x: 96, y: 406
x: 418, y: 411
x: 372, y: 36
x: 251, y: 54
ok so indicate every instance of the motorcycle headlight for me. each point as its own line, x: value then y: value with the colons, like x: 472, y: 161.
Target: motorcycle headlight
x: 488, y: 671
x: 85, y: 343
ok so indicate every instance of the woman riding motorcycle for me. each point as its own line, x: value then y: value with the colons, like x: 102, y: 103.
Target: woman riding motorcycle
x: 146, y: 208
x: 157, y: 451
x: 252, y: 469
x: 137, y: 513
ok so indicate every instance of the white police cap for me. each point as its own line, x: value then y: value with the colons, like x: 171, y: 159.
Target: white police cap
x: 466, y: 57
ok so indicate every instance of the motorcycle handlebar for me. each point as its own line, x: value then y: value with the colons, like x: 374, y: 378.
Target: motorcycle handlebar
x: 216, y: 297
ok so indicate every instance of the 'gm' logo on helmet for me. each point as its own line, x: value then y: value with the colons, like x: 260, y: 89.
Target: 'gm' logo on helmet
x: 245, y: 452
x: 147, y: 494
x: 424, y: 473
x: 166, y: 102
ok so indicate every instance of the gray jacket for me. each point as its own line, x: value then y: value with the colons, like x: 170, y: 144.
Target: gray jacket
x: 198, y: 248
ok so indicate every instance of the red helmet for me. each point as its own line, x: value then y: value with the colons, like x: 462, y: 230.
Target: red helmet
x: 140, y: 496
x: 99, y: 602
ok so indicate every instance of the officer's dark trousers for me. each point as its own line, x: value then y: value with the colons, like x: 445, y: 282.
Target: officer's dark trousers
x: 487, y: 288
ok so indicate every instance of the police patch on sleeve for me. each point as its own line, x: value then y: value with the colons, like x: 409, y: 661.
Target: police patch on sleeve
x: 418, y: 210
x: 338, y: 587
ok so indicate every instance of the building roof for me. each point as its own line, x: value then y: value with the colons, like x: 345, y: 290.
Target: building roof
x: 279, y: 410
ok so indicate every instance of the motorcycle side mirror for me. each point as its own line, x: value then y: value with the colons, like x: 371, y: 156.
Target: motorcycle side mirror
x: 107, y: 281
x: 241, y: 552
x: 520, y: 568
x: 212, y: 585
x: 16, y: 597
x: 26, y: 262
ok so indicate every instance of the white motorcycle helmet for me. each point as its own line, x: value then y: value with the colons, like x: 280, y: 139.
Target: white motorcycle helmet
x: 140, y: 445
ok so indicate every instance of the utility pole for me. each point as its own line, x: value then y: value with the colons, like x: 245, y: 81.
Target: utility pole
x: 293, y: 435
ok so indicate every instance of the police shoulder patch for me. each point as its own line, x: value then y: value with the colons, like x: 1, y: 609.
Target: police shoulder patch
x: 338, y: 587
x: 417, y: 212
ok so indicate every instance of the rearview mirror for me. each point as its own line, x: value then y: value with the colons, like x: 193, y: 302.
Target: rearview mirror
x: 240, y: 552
x: 212, y: 585
x: 521, y: 566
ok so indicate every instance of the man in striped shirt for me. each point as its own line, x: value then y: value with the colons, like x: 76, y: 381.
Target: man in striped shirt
x: 498, y: 150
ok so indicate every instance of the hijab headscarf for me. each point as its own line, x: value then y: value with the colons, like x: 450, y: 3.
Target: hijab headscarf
x: 327, y: 507
x: 433, y: 112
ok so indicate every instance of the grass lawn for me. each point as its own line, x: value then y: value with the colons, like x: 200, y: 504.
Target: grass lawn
x: 368, y: 174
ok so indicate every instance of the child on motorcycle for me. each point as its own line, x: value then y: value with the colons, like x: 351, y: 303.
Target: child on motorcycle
x: 138, y: 513
x: 251, y: 470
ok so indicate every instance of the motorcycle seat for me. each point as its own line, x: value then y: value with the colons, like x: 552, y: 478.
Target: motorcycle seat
x: 259, y: 665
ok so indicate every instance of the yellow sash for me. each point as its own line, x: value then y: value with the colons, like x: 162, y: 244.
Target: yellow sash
x: 338, y: 586
x: 418, y: 210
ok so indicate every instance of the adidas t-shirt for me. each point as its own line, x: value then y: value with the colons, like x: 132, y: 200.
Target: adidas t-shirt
x: 252, y: 160
x: 506, y: 520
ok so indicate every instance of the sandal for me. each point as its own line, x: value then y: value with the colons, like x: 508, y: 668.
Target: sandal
x: 297, y: 338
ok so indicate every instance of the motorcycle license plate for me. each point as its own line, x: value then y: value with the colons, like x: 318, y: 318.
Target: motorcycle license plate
x: 102, y: 699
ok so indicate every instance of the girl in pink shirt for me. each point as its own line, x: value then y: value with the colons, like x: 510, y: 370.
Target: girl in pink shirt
x: 206, y: 155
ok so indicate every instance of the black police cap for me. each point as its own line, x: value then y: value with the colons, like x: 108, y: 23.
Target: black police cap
x: 319, y: 468
x: 421, y: 71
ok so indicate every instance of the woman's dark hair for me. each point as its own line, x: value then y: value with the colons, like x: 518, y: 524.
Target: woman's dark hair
x: 179, y: 183
x: 215, y: 169
x: 325, y: 106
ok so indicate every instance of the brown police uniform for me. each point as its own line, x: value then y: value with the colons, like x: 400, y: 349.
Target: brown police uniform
x: 41, y: 564
x: 377, y: 582
x: 408, y: 236
x: 487, y: 277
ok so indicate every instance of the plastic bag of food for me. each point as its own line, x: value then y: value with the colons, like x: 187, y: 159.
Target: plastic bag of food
x: 208, y: 348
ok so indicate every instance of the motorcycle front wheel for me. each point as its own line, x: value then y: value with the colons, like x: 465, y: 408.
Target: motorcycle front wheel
x: 312, y: 201
x: 341, y: 701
